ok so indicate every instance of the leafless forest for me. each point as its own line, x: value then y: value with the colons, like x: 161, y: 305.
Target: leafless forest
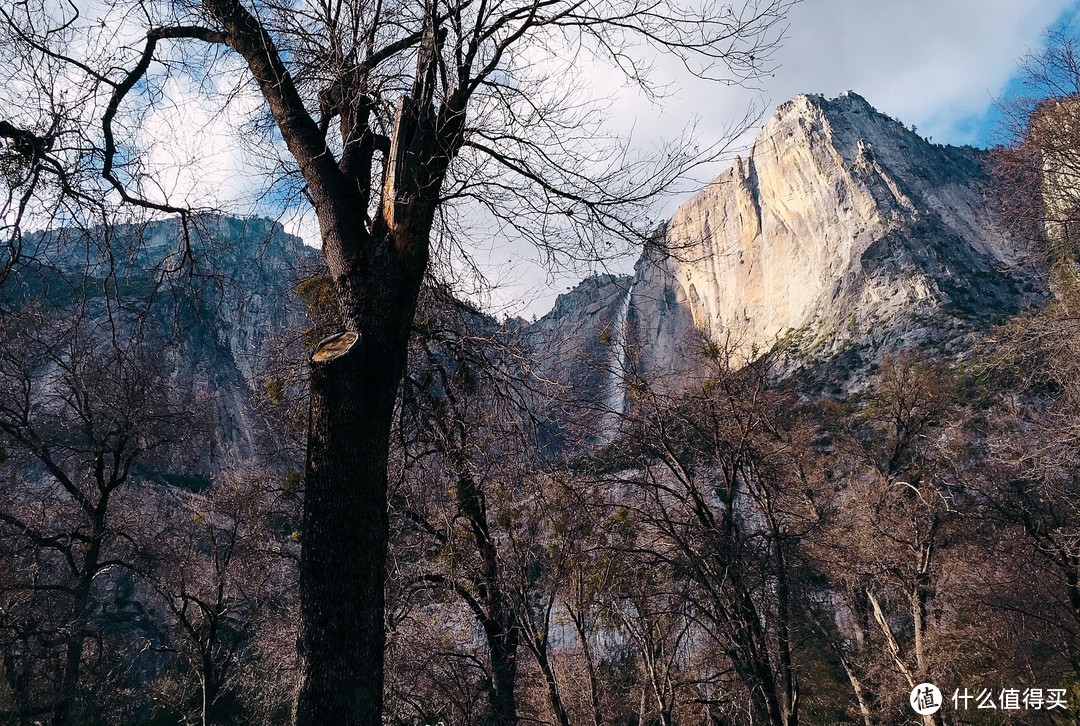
x: 372, y: 508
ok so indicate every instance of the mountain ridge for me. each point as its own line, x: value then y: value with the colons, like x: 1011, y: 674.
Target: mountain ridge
x: 222, y: 302
x: 842, y: 236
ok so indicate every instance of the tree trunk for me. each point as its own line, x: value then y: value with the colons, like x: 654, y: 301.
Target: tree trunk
x: 751, y: 657
x: 204, y: 714
x: 860, y: 698
x: 554, y: 697
x: 590, y: 666
x: 787, y: 671
x: 354, y: 381
x: 500, y: 622
x: 211, y: 683
x: 63, y: 713
x: 69, y: 681
x: 503, y: 653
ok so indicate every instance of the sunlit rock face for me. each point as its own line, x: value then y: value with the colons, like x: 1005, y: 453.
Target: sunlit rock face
x: 841, y: 237
x: 840, y: 230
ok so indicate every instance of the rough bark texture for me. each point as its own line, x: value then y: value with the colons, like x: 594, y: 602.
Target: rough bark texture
x: 343, y: 558
x: 345, y: 526
x: 503, y: 645
x: 65, y: 712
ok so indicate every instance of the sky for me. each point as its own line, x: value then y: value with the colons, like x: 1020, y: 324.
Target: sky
x: 941, y: 65
x: 938, y: 64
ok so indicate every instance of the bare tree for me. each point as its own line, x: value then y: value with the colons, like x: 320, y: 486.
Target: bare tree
x: 219, y: 571
x: 1027, y: 485
x: 79, y: 412
x: 389, y: 113
x: 465, y: 430
x: 891, y: 534
x: 1037, y: 170
x: 721, y: 473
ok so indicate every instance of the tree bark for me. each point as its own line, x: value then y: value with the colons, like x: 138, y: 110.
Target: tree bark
x: 590, y: 666
x: 504, y: 676
x: 354, y: 381
x: 860, y: 698
x: 211, y: 682
x: 64, y: 711
x: 498, y: 616
x: 342, y: 562
x: 554, y: 696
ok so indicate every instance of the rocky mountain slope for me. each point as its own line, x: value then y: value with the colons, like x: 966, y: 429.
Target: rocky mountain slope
x: 841, y: 237
x: 223, y: 306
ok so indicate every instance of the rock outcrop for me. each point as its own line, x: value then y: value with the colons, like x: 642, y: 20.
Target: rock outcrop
x: 843, y: 228
x: 842, y: 236
x: 580, y: 348
x: 222, y: 302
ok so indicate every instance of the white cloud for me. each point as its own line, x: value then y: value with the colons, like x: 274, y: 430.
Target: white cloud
x: 938, y: 64
x: 928, y: 62
x: 935, y: 63
x: 197, y: 148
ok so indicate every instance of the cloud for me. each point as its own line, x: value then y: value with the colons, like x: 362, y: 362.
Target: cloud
x: 197, y: 148
x: 934, y: 63
x: 938, y: 64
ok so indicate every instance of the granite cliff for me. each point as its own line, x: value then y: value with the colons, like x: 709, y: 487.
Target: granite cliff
x: 223, y: 305
x: 841, y: 236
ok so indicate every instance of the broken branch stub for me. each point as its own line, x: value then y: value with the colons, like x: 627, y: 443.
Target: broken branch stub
x: 332, y: 348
